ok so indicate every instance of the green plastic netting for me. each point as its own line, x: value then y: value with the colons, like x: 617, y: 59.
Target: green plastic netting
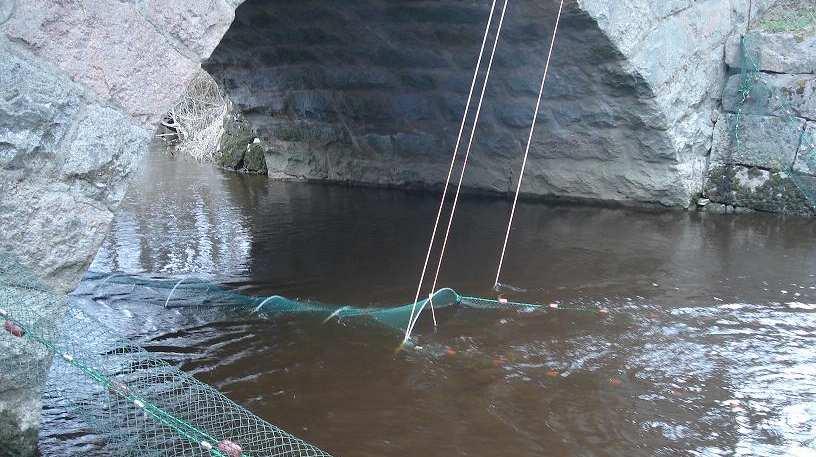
x: 757, y: 96
x: 136, y: 402
x: 193, y: 292
x: 139, y: 404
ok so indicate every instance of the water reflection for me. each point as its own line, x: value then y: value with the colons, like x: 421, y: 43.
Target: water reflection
x: 178, y: 217
x: 707, y: 351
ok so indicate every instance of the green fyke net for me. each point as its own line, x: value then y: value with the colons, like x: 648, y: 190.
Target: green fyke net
x: 191, y: 292
x: 138, y: 404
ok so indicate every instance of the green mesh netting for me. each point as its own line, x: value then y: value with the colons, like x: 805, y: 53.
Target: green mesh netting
x: 755, y: 96
x: 193, y: 292
x: 136, y: 402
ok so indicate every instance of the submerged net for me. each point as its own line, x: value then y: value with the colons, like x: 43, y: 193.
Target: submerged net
x: 758, y: 94
x: 136, y: 402
x: 191, y: 292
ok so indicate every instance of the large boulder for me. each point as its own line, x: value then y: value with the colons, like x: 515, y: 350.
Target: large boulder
x: 65, y: 157
x: 83, y: 85
x: 238, y: 148
x: 139, y: 55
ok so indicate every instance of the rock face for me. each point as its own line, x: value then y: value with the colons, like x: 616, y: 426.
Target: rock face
x: 65, y: 156
x: 374, y: 91
x: 777, y: 95
x: 83, y: 85
x: 764, y: 152
x: 768, y: 142
x: 239, y: 148
x: 777, y: 53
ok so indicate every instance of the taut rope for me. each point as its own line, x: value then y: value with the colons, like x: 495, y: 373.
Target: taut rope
x: 467, y: 152
x: 529, y: 142
x: 450, y: 171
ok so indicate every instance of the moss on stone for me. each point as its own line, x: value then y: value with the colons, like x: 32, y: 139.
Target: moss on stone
x: 695, y: 199
x: 778, y: 194
x: 293, y: 133
x: 16, y: 442
x: 239, y: 150
x: 791, y: 16
x: 254, y: 158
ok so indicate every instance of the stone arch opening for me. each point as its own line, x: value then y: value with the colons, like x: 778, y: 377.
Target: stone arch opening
x: 370, y: 92
x: 373, y: 92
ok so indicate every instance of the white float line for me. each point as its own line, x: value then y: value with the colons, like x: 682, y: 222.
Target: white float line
x: 173, y: 290
x: 464, y: 163
x: 260, y: 307
x: 338, y: 311
x: 469, y: 147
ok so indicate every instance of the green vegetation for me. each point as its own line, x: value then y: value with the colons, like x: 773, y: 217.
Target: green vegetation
x: 239, y: 149
x: 779, y: 193
x: 792, y: 23
x: 791, y: 16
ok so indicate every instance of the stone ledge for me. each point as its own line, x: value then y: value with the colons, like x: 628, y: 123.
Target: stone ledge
x: 767, y: 142
x: 777, y: 52
x: 775, y: 95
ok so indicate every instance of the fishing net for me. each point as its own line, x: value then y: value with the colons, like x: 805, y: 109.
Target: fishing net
x: 190, y: 292
x: 765, y: 105
x: 138, y: 404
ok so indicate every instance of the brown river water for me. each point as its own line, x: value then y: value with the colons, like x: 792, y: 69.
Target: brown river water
x: 709, y: 347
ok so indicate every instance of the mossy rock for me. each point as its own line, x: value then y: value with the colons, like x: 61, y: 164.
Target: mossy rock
x: 754, y: 188
x: 240, y: 150
x: 15, y: 442
x: 254, y: 158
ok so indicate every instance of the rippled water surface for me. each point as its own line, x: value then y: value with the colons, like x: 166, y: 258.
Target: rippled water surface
x: 709, y: 347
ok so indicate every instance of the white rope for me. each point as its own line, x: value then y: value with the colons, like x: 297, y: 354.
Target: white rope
x: 414, y: 319
x: 450, y: 172
x: 529, y: 142
x: 170, y: 295
x: 467, y: 152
